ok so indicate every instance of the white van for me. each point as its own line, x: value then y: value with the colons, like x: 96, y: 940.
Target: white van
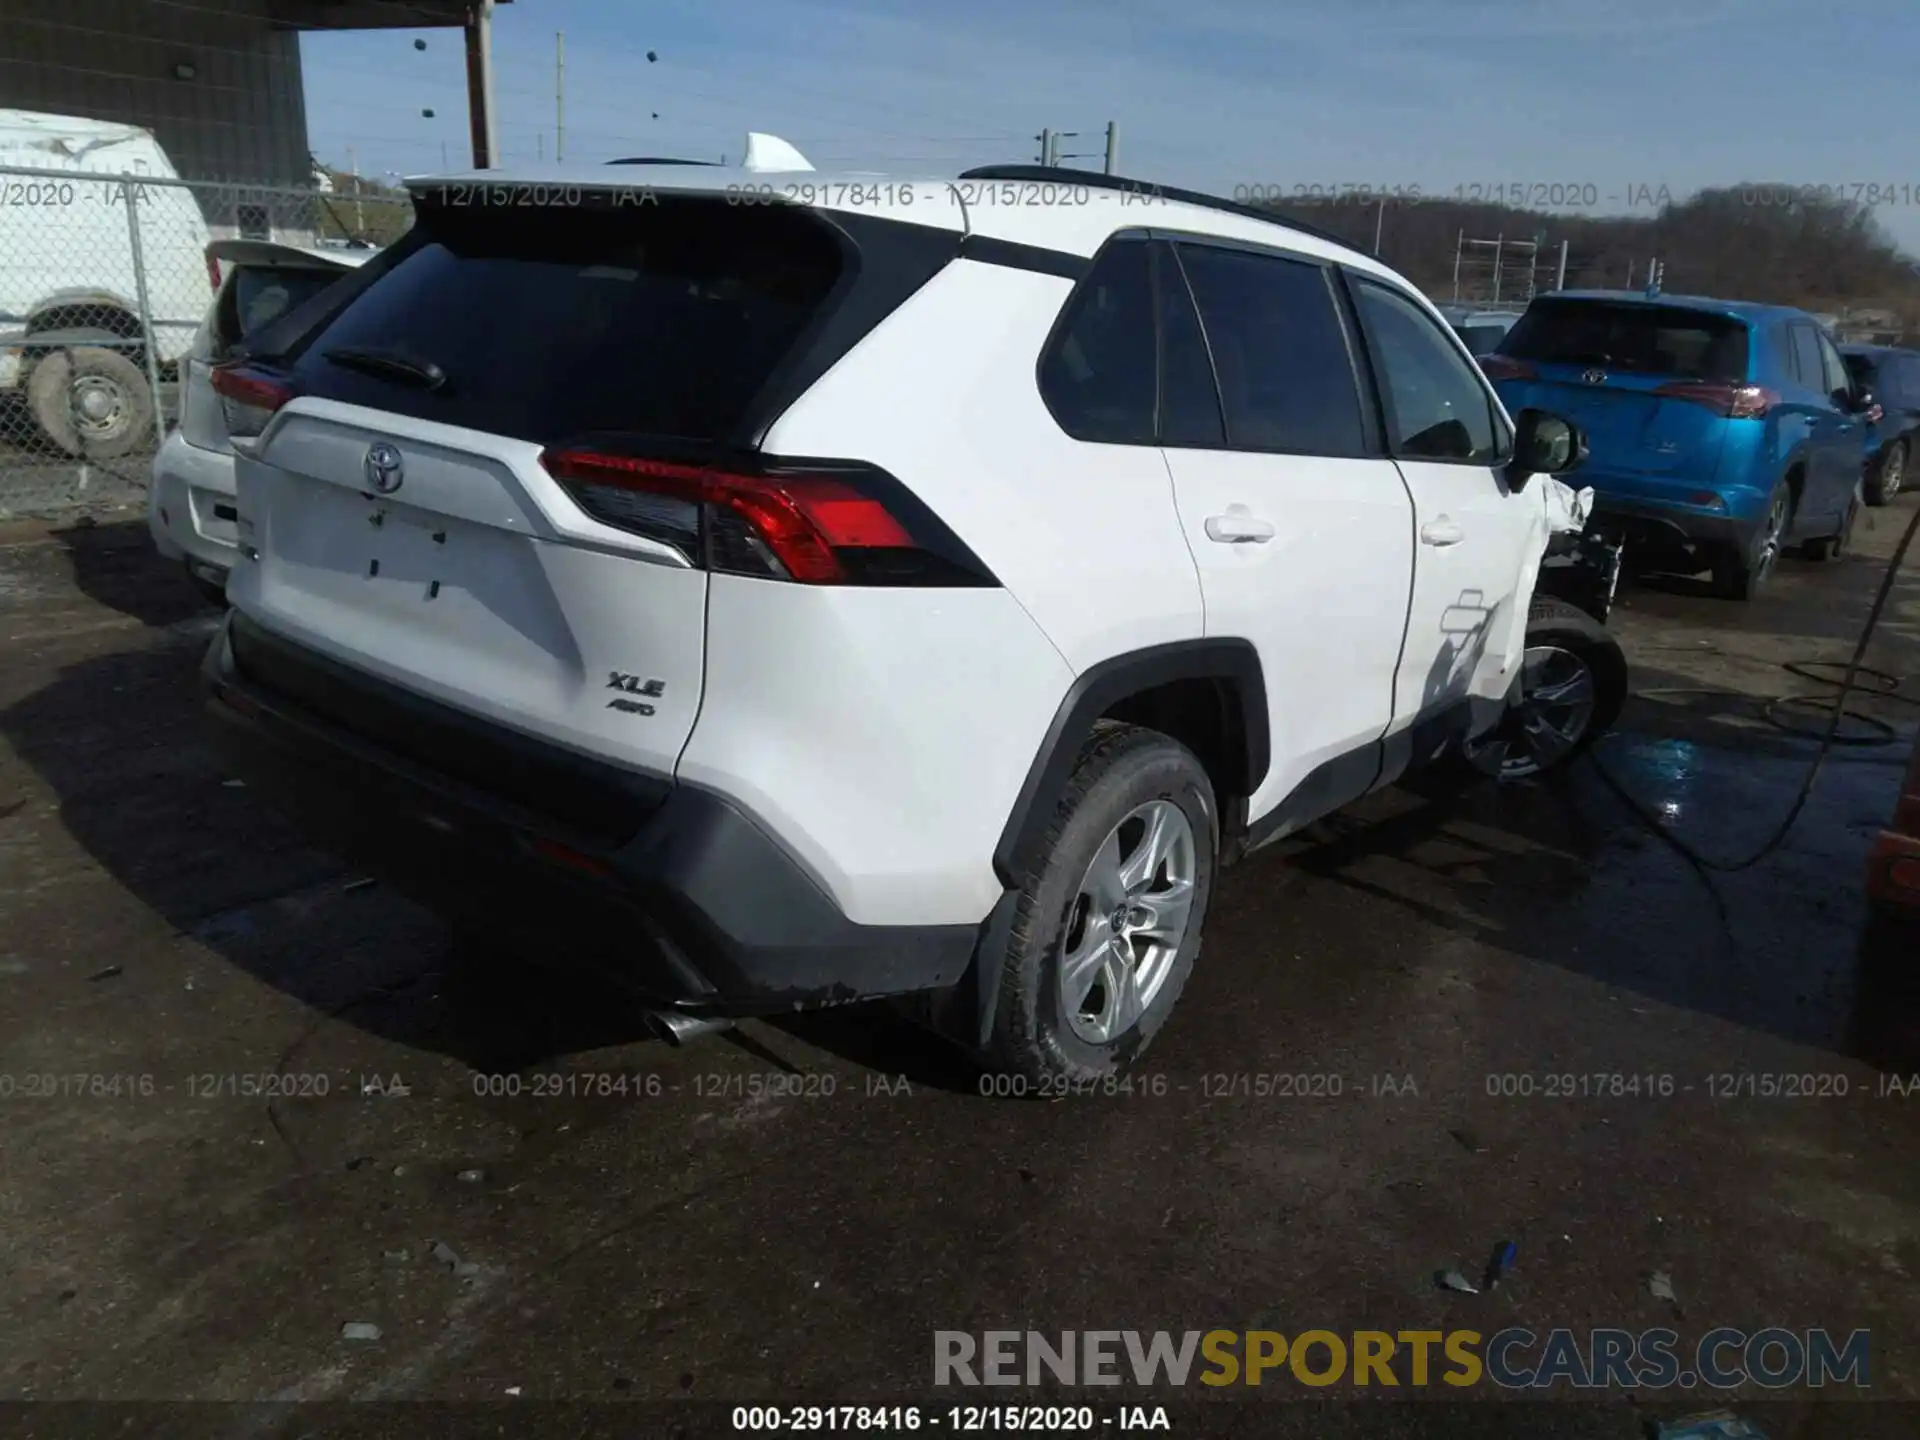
x: 71, y: 342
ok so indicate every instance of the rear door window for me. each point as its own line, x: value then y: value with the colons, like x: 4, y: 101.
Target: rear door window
x: 1631, y: 338
x: 1189, y: 396
x: 1833, y: 369
x: 662, y: 319
x: 1280, y: 351
x: 1808, y: 368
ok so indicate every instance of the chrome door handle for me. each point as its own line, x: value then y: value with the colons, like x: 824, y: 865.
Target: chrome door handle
x: 1443, y: 531
x: 1239, y: 526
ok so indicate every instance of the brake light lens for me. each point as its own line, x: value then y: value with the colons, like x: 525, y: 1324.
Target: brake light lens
x: 1906, y: 817
x: 1504, y: 367
x: 820, y: 524
x: 213, y: 274
x: 1734, y: 401
x: 248, y: 397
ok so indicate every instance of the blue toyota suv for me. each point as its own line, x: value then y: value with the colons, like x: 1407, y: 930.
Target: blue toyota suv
x: 1722, y: 433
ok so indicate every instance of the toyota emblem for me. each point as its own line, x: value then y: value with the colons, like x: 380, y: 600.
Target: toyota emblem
x: 1593, y: 377
x: 385, y: 470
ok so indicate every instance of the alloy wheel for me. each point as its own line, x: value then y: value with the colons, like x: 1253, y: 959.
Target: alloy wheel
x: 1127, y: 921
x: 1767, y: 553
x: 1551, y: 718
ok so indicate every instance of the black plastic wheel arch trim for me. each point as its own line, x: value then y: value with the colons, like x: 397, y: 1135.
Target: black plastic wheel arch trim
x: 1096, y: 691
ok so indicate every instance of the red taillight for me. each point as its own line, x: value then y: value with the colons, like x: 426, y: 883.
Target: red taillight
x: 1735, y: 402
x: 558, y: 854
x: 248, y: 397
x: 1906, y: 817
x: 816, y: 528
x: 213, y: 274
x: 1503, y: 367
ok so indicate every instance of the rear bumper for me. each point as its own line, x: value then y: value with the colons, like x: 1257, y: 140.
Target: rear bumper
x: 190, y: 507
x: 701, y: 908
x: 1643, y: 525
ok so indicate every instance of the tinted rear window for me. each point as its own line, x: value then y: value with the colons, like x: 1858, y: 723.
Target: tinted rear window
x: 1648, y: 339
x: 1480, y: 338
x: 1865, y: 371
x: 262, y: 295
x: 661, y: 319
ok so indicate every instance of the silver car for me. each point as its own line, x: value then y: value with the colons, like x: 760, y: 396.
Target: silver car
x: 190, y: 502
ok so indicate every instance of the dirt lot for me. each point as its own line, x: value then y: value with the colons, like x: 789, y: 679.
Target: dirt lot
x: 703, y: 1239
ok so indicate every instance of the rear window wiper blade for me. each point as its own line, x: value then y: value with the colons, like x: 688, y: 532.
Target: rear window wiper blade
x: 390, y: 364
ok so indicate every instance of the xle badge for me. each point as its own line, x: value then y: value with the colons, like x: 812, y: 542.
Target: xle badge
x: 633, y: 685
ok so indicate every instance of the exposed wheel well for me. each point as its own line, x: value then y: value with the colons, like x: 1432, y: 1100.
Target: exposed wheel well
x: 1205, y: 715
x: 1208, y: 694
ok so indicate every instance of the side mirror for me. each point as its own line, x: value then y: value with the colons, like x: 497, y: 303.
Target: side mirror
x: 1544, y: 444
x: 1861, y: 402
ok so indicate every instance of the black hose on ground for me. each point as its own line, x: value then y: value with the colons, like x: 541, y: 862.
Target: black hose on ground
x: 1887, y: 685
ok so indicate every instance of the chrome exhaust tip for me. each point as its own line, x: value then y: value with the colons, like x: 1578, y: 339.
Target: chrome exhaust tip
x: 679, y: 1029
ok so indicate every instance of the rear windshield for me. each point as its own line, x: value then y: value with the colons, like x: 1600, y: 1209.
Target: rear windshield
x: 1649, y: 339
x: 1481, y: 338
x: 544, y: 323
x: 261, y: 294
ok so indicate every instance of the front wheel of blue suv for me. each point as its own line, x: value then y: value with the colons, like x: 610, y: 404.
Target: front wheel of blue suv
x: 1741, y: 573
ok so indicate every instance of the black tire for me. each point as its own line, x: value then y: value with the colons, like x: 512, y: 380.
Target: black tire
x: 1555, y: 624
x: 1120, y: 769
x: 1832, y: 547
x: 1741, y: 574
x: 1889, y: 474
x: 54, y: 395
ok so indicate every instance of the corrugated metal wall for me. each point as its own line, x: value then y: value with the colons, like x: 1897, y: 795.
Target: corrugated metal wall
x: 241, y: 117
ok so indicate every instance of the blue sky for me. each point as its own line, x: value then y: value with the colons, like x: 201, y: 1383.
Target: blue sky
x: 1211, y: 94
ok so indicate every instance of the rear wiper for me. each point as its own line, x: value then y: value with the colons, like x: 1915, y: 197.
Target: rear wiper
x: 389, y: 363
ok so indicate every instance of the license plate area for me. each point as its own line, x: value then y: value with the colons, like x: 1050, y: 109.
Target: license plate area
x: 411, y: 554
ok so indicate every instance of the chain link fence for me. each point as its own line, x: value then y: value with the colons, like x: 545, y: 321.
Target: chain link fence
x: 105, y: 282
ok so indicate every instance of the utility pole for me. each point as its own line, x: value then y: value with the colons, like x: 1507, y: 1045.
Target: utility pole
x: 359, y: 214
x: 1045, y: 137
x: 1379, y: 224
x: 1560, y: 279
x: 1458, y: 245
x: 1499, y: 245
x: 479, y: 29
x: 1113, y: 145
x: 559, y: 95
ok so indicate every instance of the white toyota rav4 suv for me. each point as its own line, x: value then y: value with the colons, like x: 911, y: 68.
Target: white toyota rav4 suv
x: 785, y: 590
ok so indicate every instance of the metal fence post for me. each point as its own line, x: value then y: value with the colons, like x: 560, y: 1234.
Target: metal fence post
x: 151, y: 341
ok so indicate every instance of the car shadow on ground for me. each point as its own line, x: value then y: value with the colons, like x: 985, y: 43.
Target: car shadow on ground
x: 117, y: 740
x: 1571, y: 870
x: 114, y: 565
x: 1559, y: 871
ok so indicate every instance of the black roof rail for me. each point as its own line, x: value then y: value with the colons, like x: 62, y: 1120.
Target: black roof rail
x: 1099, y: 180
